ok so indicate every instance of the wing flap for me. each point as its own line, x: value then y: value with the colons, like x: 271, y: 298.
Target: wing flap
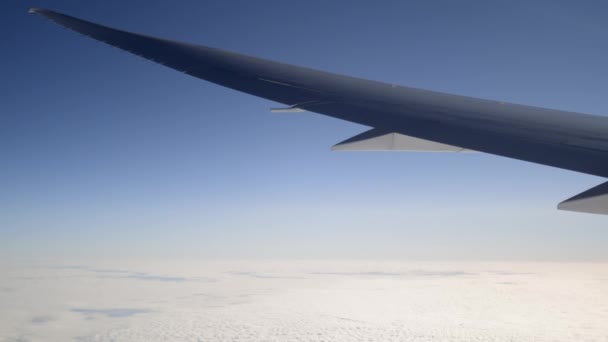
x: 381, y: 140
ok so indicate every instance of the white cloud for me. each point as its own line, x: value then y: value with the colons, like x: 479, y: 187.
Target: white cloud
x: 304, y: 300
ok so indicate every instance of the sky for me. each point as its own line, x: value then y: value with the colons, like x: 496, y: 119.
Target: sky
x: 104, y: 154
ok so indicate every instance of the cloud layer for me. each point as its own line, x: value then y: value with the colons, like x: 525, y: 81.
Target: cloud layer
x: 304, y: 300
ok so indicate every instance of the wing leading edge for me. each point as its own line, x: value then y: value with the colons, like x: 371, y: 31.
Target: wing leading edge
x: 402, y: 118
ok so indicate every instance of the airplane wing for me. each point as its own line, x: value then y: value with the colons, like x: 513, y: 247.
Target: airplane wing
x: 402, y: 118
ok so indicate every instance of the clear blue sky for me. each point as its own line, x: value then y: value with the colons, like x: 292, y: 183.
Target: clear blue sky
x: 105, y: 154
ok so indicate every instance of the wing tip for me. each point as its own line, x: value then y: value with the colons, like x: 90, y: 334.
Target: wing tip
x: 36, y: 10
x: 45, y: 13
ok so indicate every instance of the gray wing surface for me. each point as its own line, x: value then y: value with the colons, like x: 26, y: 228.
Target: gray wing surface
x: 378, y: 140
x: 567, y: 140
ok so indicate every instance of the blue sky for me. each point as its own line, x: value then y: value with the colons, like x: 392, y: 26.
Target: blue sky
x: 104, y: 153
